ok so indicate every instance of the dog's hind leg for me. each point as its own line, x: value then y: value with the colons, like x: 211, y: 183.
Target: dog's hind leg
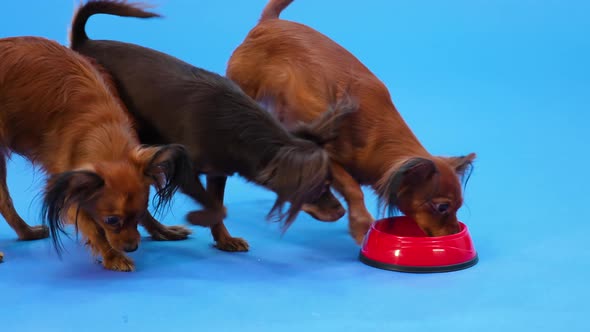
x: 22, y: 229
x: 160, y: 232
x: 223, y: 240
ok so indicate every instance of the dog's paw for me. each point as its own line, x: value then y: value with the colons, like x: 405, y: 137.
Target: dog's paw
x: 205, y: 218
x: 232, y: 244
x: 171, y: 233
x: 1, y: 256
x: 359, y: 227
x: 34, y: 233
x: 118, y: 262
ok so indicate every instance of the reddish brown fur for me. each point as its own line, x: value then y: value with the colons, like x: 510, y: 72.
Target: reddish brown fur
x: 57, y: 111
x: 290, y: 66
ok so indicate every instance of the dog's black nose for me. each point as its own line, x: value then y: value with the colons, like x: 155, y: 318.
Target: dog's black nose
x: 130, y: 247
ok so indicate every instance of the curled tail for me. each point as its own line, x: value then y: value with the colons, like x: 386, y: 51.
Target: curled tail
x: 273, y: 9
x: 112, y: 7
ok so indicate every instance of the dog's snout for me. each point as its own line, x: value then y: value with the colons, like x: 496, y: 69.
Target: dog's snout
x: 131, y: 247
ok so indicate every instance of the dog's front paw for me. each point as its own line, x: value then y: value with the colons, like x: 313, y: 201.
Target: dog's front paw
x: 205, y: 218
x: 118, y: 262
x: 232, y: 244
x: 1, y: 256
x: 34, y: 233
x: 359, y: 227
x: 171, y: 233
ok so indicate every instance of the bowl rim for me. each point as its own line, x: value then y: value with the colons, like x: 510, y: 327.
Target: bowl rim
x: 462, y: 233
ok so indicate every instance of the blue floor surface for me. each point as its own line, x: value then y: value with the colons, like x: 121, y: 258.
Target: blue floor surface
x: 509, y: 80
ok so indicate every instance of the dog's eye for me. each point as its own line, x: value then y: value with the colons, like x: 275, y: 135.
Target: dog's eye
x: 442, y: 208
x: 112, y: 220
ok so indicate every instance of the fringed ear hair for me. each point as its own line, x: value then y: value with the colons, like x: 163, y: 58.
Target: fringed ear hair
x: 401, y: 179
x: 63, y: 191
x: 277, y: 214
x: 297, y: 174
x: 170, y: 168
x: 463, y: 166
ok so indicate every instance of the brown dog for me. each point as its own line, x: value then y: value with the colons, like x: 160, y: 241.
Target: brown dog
x: 225, y: 131
x: 57, y: 110
x: 289, y: 65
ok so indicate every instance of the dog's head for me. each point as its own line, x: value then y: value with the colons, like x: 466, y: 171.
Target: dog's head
x: 427, y: 190
x: 323, y: 131
x: 300, y: 173
x: 114, y: 194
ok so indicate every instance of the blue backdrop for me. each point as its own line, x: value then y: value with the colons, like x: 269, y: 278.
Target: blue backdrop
x: 506, y: 79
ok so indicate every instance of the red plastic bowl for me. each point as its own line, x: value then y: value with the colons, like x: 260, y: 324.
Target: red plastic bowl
x: 398, y: 244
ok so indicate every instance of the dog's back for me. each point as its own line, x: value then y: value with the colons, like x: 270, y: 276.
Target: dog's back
x: 170, y: 98
x: 42, y: 80
x: 295, y: 65
x: 273, y: 45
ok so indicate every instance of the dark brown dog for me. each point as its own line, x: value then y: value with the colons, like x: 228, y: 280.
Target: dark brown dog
x: 60, y: 114
x: 290, y: 65
x: 225, y: 131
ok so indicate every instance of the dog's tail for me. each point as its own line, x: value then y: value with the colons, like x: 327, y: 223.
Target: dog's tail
x: 273, y: 9
x: 112, y: 7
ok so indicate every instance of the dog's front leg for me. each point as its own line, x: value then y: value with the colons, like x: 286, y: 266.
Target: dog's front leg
x: 223, y: 240
x: 112, y: 258
x: 359, y: 218
x: 160, y: 232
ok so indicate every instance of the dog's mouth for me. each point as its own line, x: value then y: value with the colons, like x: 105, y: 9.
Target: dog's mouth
x: 122, y: 243
x: 325, y: 208
x: 428, y: 232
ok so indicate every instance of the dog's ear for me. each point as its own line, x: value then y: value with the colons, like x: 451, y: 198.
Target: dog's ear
x: 325, y: 129
x: 297, y: 174
x: 462, y: 165
x: 406, y: 175
x: 74, y: 188
x: 168, y: 167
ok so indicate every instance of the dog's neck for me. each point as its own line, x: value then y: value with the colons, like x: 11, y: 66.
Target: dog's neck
x: 393, y: 141
x: 108, y: 140
x: 257, y: 159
